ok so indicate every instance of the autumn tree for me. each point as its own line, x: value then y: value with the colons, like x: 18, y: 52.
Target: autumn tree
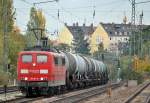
x: 15, y: 40
x: 10, y: 19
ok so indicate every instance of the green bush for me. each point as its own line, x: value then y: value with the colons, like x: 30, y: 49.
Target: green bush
x: 132, y: 75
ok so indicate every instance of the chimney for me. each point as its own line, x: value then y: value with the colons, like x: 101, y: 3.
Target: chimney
x: 84, y: 24
x: 91, y: 24
x: 76, y: 23
x: 73, y: 24
x: 65, y: 24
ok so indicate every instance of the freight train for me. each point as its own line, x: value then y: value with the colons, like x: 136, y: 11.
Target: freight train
x: 44, y: 71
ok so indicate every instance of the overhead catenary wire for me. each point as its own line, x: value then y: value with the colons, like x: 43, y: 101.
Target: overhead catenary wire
x: 36, y: 3
x: 43, y: 2
x: 67, y: 11
x: 78, y: 17
x: 82, y: 11
x: 29, y: 3
x: 70, y: 13
x: 142, y: 2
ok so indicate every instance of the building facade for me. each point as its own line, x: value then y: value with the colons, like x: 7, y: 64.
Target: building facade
x: 119, y: 35
x: 114, y: 37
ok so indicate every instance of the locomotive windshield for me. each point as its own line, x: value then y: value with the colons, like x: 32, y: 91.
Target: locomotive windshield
x: 26, y: 58
x: 41, y: 58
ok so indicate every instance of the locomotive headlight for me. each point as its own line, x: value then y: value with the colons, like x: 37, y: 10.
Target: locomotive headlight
x: 24, y: 71
x: 43, y: 71
x: 26, y: 78
x: 42, y: 78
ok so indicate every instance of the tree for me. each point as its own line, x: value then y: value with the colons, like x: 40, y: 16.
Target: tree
x: 80, y: 43
x: 64, y: 47
x: 99, y: 54
x: 16, y: 44
x: 37, y: 20
x: 10, y: 19
x: 14, y: 38
x: 140, y: 42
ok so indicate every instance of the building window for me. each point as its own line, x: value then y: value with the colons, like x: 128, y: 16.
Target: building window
x: 115, y: 33
x: 99, y: 39
x: 110, y: 33
x: 123, y: 27
x: 125, y: 33
x: 120, y: 33
x: 129, y: 33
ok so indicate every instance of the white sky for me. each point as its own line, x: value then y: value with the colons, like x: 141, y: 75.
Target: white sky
x: 80, y: 11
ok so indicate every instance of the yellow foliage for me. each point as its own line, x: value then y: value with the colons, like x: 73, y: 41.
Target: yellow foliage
x: 141, y: 65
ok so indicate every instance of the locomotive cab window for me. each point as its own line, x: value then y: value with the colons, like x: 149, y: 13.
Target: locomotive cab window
x: 56, y: 60
x: 41, y: 58
x: 63, y: 61
x: 26, y: 58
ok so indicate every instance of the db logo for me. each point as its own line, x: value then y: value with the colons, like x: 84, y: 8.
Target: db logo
x: 34, y: 71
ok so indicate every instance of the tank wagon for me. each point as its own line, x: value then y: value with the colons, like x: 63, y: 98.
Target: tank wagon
x: 49, y: 72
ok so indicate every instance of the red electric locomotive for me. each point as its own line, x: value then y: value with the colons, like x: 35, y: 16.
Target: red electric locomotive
x: 39, y: 70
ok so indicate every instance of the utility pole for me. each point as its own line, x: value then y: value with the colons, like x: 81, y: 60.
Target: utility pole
x: 133, y: 24
x: 5, y: 35
x: 133, y: 35
x: 133, y: 12
x: 134, y: 3
x: 140, y: 35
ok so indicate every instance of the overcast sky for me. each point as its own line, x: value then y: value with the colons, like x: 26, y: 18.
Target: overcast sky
x: 80, y: 11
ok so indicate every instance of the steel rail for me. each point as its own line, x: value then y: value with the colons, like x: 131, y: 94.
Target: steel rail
x: 147, y: 100
x: 76, y: 98
x: 133, y: 96
x: 81, y: 96
x: 8, y: 89
x: 24, y: 99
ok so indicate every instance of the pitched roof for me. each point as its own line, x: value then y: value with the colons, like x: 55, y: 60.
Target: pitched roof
x: 86, y: 30
x: 120, y: 29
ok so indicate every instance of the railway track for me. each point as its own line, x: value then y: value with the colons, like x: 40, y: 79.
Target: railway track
x: 8, y: 89
x: 142, y: 95
x: 69, y: 97
x: 24, y: 99
x: 78, y: 96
